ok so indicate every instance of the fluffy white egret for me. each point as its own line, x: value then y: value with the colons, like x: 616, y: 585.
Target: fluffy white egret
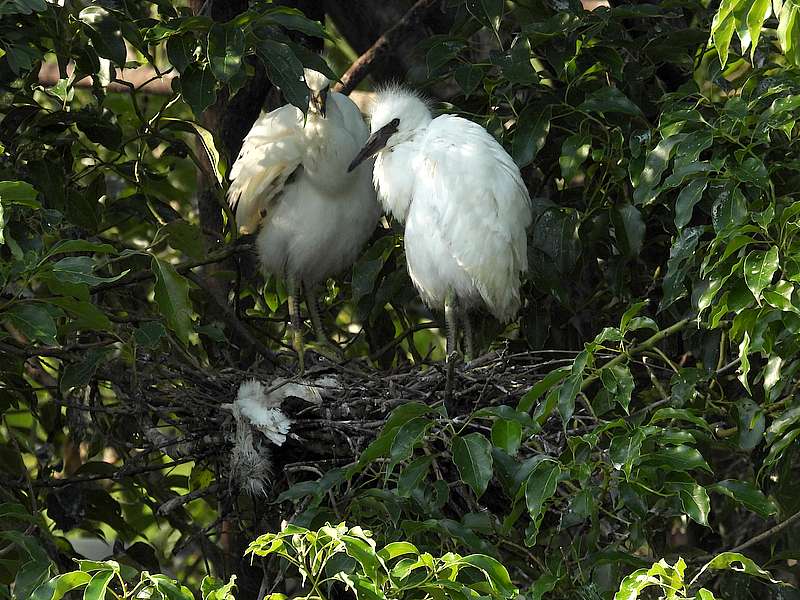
x: 291, y: 178
x: 464, y: 205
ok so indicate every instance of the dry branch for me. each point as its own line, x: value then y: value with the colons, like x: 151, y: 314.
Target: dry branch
x: 362, y: 66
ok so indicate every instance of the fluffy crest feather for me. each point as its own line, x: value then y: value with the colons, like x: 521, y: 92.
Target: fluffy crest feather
x: 396, y: 101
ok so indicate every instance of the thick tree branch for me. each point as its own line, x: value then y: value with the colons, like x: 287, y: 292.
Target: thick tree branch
x: 383, y: 45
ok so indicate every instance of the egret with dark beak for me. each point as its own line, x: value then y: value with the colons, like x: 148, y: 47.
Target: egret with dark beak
x: 464, y: 205
x: 291, y: 180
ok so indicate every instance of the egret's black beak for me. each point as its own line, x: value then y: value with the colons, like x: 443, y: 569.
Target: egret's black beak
x: 376, y: 142
x: 319, y: 100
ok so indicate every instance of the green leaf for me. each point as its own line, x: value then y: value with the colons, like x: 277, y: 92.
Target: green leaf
x: 181, y: 50
x: 22, y: 7
x: 226, y: 46
x: 198, y: 87
x: 495, y: 572
x: 469, y: 77
x: 34, y: 322
x: 574, y: 151
x: 170, y: 589
x: 748, y: 495
x: 566, y: 396
x: 407, y: 438
x: 412, y: 475
x: 610, y: 100
x: 96, y: 590
x: 679, y: 264
x: 759, y: 10
x: 284, y: 70
x: 205, y: 137
x: 695, y: 501
x: 530, y: 136
x: 654, y: 166
x: 79, y: 270
x: 57, y: 587
x: 540, y: 387
x: 689, y: 196
x: 541, y: 486
x: 486, y: 12
x: 18, y: 192
x: 735, y: 562
x: 759, y: 268
x: 721, y: 33
x: 294, y: 19
x: 629, y: 229
x: 751, y: 424
x: 789, y: 30
x: 624, y: 450
x: 105, y: 33
x: 183, y: 236
x: 69, y: 246
x: 677, y: 458
x: 507, y: 435
x: 472, y: 455
x: 172, y: 296
x: 80, y: 373
x: 214, y: 589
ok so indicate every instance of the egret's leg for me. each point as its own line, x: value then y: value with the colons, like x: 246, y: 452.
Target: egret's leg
x: 469, y: 337
x: 312, y: 301
x: 451, y: 323
x: 295, y: 324
x: 326, y: 346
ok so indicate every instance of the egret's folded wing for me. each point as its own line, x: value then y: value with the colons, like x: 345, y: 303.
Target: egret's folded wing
x: 483, y: 207
x: 271, y: 152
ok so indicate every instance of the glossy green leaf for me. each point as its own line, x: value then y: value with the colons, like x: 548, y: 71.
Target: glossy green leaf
x: 574, y: 152
x: 610, y: 100
x: 507, y: 435
x: 531, y: 134
x: 225, y: 49
x: 629, y: 229
x: 407, y: 438
x: 172, y: 297
x: 284, y: 70
x: 759, y: 268
x: 472, y: 455
x: 198, y: 87
x: 687, y: 199
x: 412, y: 475
x: 105, y: 32
x: 33, y: 321
x: 96, y: 589
x: 746, y: 494
x: 206, y: 139
x: 57, y: 587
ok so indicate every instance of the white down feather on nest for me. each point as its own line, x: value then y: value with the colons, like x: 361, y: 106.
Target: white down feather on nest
x: 257, y: 408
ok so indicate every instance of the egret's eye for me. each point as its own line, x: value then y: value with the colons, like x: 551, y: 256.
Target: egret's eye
x: 394, y: 123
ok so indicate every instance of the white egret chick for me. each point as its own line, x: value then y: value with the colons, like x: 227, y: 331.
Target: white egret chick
x: 463, y: 202
x: 291, y: 179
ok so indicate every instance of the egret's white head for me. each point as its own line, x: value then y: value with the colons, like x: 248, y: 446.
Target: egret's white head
x: 395, y: 114
x: 318, y: 86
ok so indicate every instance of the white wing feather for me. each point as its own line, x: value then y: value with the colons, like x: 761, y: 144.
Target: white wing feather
x: 271, y: 152
x: 482, y: 205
